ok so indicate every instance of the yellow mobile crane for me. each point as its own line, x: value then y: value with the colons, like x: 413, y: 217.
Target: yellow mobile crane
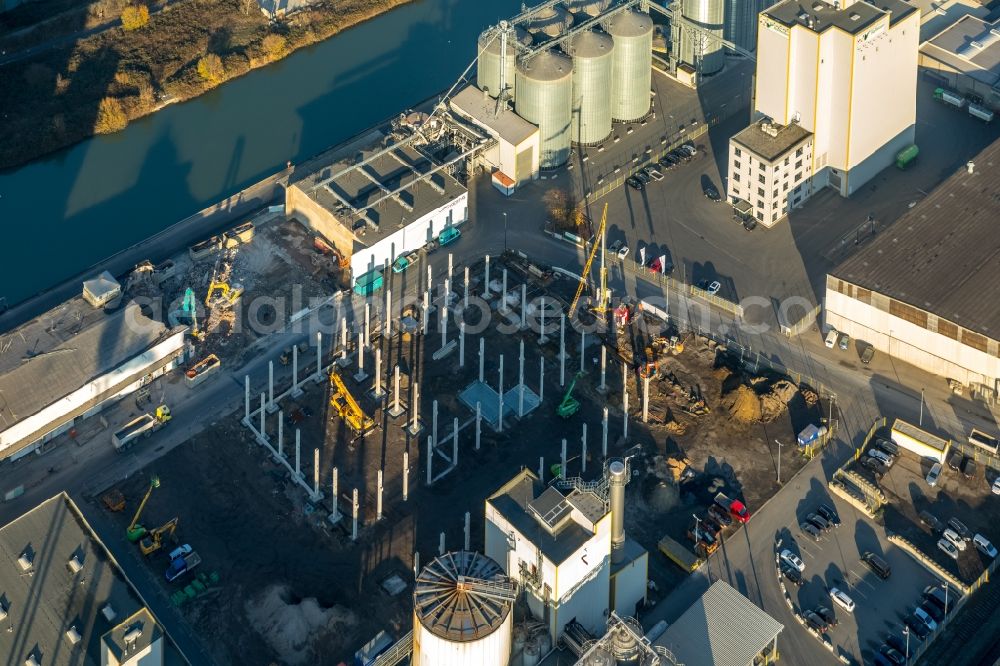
x: 153, y: 540
x: 348, y: 408
x: 135, y: 531
x: 602, y: 295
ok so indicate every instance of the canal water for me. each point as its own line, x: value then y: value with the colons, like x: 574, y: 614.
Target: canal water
x: 68, y: 211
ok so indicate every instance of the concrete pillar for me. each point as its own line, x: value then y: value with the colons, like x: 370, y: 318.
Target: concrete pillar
x: 520, y: 385
x: 315, y: 473
x: 562, y: 459
x: 387, y: 329
x: 295, y: 369
x: 396, y: 409
x: 604, y: 435
x: 378, y: 497
x: 468, y: 530
x: 361, y: 375
x: 541, y: 468
x: 416, y: 564
x: 482, y: 359
x: 450, y: 265
x: 354, y: 513
x: 645, y: 399
x: 524, y: 305
x: 562, y: 350
x: 583, y: 351
x: 430, y: 275
x: 270, y: 385
x: 415, y: 409
x: 461, y: 344
x: 246, y: 399
x: 281, y: 434
x: 298, y: 453
x: 441, y: 544
x: 542, y: 338
x: 430, y: 458
x: 583, y: 445
x: 479, y: 422
x: 500, y: 393
x: 343, y: 360
x: 334, y: 494
x: 426, y: 311
x: 625, y: 418
x: 503, y: 294
x: 378, y: 393
x: 406, y: 475
x: 444, y: 326
x: 263, y: 433
x: 434, y: 421
x: 446, y: 304
x: 454, y: 442
x: 466, y: 301
x: 602, y: 387
x: 319, y: 357
x: 368, y: 325
x: 487, y: 294
x: 541, y: 379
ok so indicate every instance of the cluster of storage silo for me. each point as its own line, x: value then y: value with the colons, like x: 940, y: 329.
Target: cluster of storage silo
x: 699, y: 49
x: 574, y: 91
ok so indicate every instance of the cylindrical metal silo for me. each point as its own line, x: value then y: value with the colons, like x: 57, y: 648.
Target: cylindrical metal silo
x: 544, y: 84
x: 489, y: 64
x: 698, y: 49
x: 631, y: 65
x: 548, y: 23
x: 462, y: 612
x: 592, y: 52
x: 588, y: 8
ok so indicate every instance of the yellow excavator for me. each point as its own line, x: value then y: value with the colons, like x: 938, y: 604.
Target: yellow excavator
x: 348, y: 408
x: 602, y: 294
x: 153, y: 540
x: 229, y: 294
x: 135, y: 531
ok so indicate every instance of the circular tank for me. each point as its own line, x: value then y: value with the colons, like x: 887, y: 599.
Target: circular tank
x: 631, y: 64
x: 589, y: 8
x: 598, y: 657
x: 462, y: 612
x: 699, y: 50
x: 532, y: 653
x: 544, y: 85
x: 550, y: 22
x: 489, y: 63
x: 592, y: 53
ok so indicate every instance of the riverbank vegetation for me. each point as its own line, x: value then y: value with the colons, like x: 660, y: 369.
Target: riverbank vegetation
x: 97, y: 85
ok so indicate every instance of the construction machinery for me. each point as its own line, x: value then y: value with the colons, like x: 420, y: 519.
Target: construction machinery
x: 135, y: 531
x: 153, y: 540
x: 602, y: 295
x: 223, y: 291
x: 142, y: 426
x: 569, y: 405
x: 348, y: 408
x: 190, y: 310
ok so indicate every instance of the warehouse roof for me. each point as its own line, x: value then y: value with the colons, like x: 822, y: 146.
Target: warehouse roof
x: 64, y: 349
x: 722, y: 628
x: 769, y: 140
x: 942, y: 256
x: 471, y: 103
x: 55, y: 575
x: 970, y: 46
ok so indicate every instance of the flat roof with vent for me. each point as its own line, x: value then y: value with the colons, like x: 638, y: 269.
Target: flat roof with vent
x: 769, y: 141
x: 56, y: 607
x: 942, y: 256
x: 970, y: 46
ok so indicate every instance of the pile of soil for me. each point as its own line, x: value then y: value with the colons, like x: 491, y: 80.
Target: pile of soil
x: 746, y: 405
x: 290, y: 626
x: 743, y: 404
x: 775, y: 401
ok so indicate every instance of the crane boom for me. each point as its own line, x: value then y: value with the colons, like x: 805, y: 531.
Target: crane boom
x: 589, y: 263
x: 348, y: 408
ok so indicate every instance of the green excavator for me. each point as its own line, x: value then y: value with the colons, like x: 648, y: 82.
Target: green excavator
x: 569, y: 405
x: 135, y: 531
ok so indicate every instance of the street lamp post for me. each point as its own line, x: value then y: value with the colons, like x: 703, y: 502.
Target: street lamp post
x: 906, y: 632
x: 945, y: 586
x: 505, y: 231
x: 779, y: 461
x: 921, y: 408
x: 697, y: 527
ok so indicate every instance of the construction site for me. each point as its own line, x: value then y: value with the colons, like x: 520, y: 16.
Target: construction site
x: 311, y: 509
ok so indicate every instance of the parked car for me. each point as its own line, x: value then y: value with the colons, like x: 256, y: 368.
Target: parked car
x: 888, y: 446
x: 892, y: 654
x: 931, y: 521
x: 791, y: 574
x: 810, y: 530
x: 877, y: 564
x: 995, y: 488
x: 749, y: 224
x: 960, y: 528
x: 712, y: 193
x: 831, y: 338
x: 955, y: 461
x: 917, y: 626
x: 635, y: 183
x: 932, y: 476
x: 845, y: 341
x: 868, y: 354
x: 841, y: 599
x: 653, y: 173
x: 180, y: 551
x: 719, y: 514
x: 622, y: 252
x: 896, y: 642
x: 815, y: 621
x: 948, y: 548
x: 641, y: 175
x: 881, y: 455
x: 933, y: 611
x: 714, y: 288
x: 875, y: 465
x: 614, y: 247
x: 829, y: 513
x: 937, y: 595
x: 828, y: 615
x: 953, y: 537
x: 818, y: 521
x: 689, y: 149
x: 984, y: 546
x: 969, y: 468
x: 926, y: 618
x: 793, y: 560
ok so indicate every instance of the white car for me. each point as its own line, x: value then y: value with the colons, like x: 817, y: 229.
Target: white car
x: 932, y: 476
x: 842, y: 599
x: 831, y: 338
x: 948, y: 548
x: 793, y: 560
x: 714, y: 288
x: 623, y: 252
x: 180, y: 551
x: 996, y: 486
x: 928, y: 620
x: 882, y: 456
x: 954, y: 538
x: 984, y: 546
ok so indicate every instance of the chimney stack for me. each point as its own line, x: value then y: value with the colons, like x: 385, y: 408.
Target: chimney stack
x: 617, y: 480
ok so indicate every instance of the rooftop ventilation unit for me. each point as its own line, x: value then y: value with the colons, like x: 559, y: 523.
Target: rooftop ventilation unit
x: 855, y: 16
x: 3, y: 613
x: 74, y: 564
x: 109, y: 613
x: 133, y: 634
x: 25, y: 560
x: 977, y: 44
x: 32, y: 660
x: 73, y: 636
x: 818, y: 6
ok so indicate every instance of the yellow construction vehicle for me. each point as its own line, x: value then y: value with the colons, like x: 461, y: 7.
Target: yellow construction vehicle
x: 153, y: 540
x: 135, y: 531
x: 229, y: 294
x: 602, y: 295
x: 348, y: 408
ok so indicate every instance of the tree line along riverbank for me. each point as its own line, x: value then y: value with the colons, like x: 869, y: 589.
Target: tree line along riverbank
x: 98, y: 84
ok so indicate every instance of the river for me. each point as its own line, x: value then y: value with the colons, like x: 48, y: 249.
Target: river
x: 68, y: 211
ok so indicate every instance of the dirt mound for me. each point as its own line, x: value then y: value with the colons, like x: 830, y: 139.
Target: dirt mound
x: 775, y: 402
x: 743, y: 404
x: 810, y: 396
x: 663, y: 497
x: 291, y: 627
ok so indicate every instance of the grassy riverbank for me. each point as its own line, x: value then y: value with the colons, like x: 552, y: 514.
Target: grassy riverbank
x: 67, y: 94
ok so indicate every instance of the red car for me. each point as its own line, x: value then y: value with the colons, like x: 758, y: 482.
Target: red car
x: 739, y: 511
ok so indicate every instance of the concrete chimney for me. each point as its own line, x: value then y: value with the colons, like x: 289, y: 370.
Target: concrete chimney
x: 617, y: 479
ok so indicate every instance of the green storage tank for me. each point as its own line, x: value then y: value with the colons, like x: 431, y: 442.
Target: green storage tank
x: 906, y: 156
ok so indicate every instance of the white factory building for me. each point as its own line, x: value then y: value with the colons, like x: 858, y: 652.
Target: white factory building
x: 925, y: 289
x: 565, y: 546
x: 846, y: 73
x: 71, y: 362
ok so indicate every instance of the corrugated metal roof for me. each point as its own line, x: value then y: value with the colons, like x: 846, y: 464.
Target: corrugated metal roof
x: 943, y: 256
x: 463, y: 596
x: 722, y: 628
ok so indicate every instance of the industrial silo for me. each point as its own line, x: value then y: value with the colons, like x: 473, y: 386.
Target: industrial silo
x: 544, y: 83
x: 489, y: 64
x: 631, y: 64
x: 587, y: 8
x: 462, y: 612
x: 592, y: 53
x: 549, y: 22
x: 698, y: 48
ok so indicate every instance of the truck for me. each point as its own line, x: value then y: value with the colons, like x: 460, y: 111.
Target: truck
x: 142, y: 426
x: 986, y: 442
x: 810, y: 434
x: 981, y: 112
x: 181, y: 565
x: 369, y: 283
x: 735, y: 508
x: 949, y: 97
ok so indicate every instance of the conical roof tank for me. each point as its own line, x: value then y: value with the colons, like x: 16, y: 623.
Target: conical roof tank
x: 489, y: 64
x: 589, y: 8
x: 544, y: 84
x: 707, y: 54
x: 592, y: 53
x: 631, y: 65
x: 550, y: 22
